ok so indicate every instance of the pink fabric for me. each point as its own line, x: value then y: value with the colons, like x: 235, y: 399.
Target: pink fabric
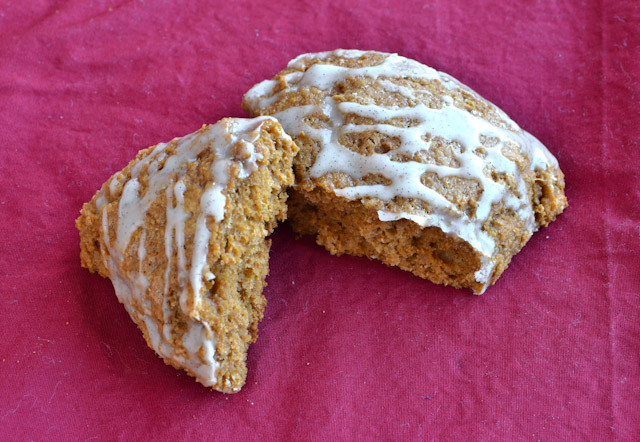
x: 349, y: 349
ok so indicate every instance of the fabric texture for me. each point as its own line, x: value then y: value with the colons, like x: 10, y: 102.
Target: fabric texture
x: 349, y: 349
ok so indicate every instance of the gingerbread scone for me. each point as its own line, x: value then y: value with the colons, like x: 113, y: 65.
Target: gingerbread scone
x: 181, y: 234
x: 405, y: 164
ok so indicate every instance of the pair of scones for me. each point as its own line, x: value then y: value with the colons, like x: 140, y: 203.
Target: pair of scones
x: 392, y: 160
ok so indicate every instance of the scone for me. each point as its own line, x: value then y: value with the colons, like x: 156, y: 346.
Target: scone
x: 181, y: 234
x: 405, y: 164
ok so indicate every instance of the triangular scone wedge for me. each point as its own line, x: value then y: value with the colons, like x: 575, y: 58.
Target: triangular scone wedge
x: 405, y: 164
x: 181, y: 232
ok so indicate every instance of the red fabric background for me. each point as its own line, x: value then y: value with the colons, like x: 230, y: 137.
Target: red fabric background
x: 349, y: 349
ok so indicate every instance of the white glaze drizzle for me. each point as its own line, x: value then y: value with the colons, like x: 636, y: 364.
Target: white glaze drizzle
x: 194, y: 347
x: 450, y: 123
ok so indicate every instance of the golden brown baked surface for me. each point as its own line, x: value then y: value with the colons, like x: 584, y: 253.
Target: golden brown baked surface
x: 404, y: 164
x: 181, y: 233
